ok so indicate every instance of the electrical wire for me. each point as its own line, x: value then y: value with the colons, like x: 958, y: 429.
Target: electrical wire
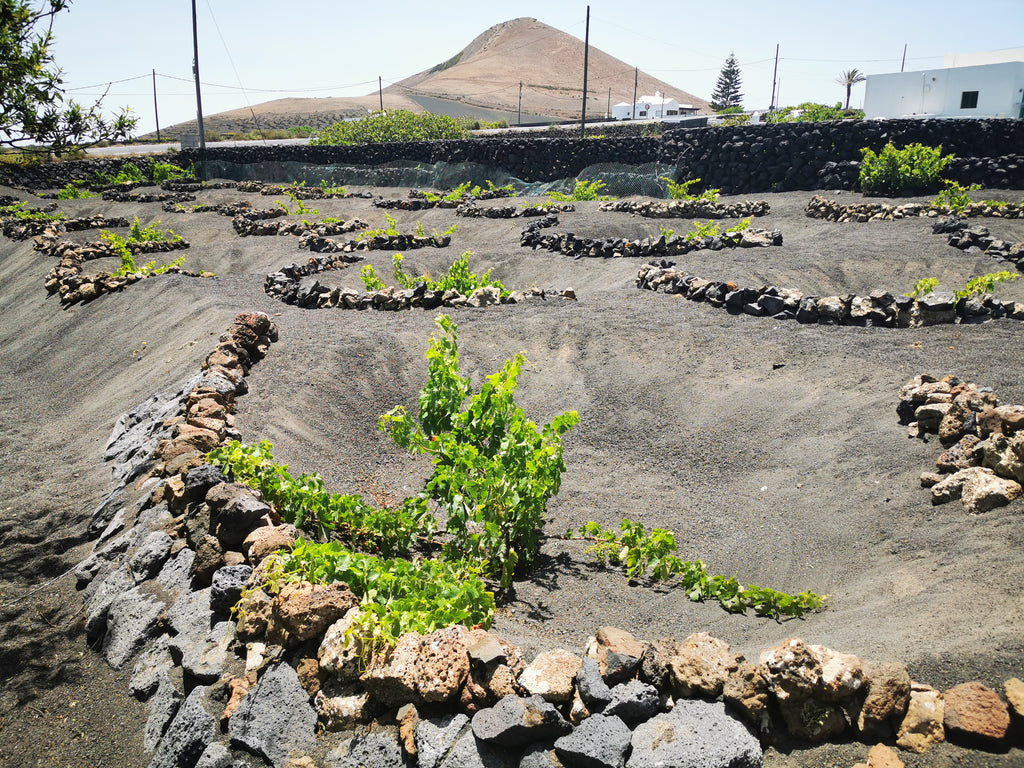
x: 234, y: 69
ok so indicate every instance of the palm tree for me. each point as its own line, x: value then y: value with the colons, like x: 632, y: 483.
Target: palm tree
x: 850, y: 78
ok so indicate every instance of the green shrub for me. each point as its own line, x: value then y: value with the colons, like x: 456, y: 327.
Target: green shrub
x: 494, y: 469
x: 393, y: 125
x: 306, y: 503
x: 681, y: 190
x: 464, y: 190
x: 20, y: 211
x: 128, y: 266
x: 810, y: 112
x: 457, y: 277
x: 165, y: 171
x: 976, y: 286
x: 129, y: 174
x: 151, y: 233
x: 979, y: 286
x: 76, y: 190
x: 584, y: 190
x: 301, y: 209
x: 391, y: 230
x: 912, y: 169
x: 397, y: 596
x: 955, y: 196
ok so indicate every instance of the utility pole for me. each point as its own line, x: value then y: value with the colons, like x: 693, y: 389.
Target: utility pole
x: 608, y: 110
x: 199, y: 95
x: 902, y: 63
x: 380, y: 91
x: 636, y: 80
x: 586, y: 57
x: 775, y: 73
x: 519, y: 119
x: 156, y: 114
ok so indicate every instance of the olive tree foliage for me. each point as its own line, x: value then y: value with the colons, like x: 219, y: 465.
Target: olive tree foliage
x: 33, y: 107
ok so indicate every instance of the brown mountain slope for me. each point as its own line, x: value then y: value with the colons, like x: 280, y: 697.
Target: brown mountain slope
x: 549, y: 64
x: 481, y: 81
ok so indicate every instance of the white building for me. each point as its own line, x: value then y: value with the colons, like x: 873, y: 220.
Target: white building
x: 654, y: 107
x: 971, y: 85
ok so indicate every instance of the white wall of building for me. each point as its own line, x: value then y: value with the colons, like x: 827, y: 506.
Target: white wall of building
x: 997, y: 88
x: 654, y: 107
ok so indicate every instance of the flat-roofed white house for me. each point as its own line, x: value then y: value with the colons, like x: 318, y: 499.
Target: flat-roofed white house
x: 654, y: 107
x: 970, y: 85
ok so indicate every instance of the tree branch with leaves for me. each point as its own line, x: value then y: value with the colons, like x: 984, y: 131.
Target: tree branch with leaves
x: 34, y: 112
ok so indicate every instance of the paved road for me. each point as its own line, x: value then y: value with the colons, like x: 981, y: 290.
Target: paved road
x: 150, y: 149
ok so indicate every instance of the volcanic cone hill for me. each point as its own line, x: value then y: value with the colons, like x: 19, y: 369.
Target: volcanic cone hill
x: 481, y: 81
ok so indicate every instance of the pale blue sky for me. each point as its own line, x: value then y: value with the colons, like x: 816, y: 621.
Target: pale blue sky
x: 320, y: 48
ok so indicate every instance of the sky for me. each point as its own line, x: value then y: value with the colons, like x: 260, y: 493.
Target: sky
x: 252, y: 51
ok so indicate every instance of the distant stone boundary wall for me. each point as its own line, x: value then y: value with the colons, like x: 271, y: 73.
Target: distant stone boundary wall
x: 737, y: 159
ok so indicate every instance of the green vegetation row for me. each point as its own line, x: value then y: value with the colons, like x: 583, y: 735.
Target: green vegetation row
x: 139, y: 234
x: 457, y: 277
x: 976, y: 286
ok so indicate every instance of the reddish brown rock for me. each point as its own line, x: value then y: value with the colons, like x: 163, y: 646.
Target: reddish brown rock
x: 443, y: 664
x: 310, y: 676
x: 616, y: 652
x: 551, y: 675
x: 923, y: 725
x: 202, y: 440
x: 222, y: 357
x: 207, y: 408
x: 255, y: 615
x: 234, y: 558
x: 183, y: 462
x: 408, y: 718
x: 306, y: 610
x: 209, y: 557
x: 1014, y: 690
x: 701, y: 665
x: 239, y: 689
x: 793, y: 670
x: 747, y: 691
x: 887, y: 699
x: 391, y: 676
x: 881, y: 756
x: 267, y: 539
x: 217, y: 426
x: 974, y: 711
x: 959, y: 456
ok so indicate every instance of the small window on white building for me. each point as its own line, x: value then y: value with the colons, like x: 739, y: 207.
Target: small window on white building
x: 969, y: 100
x: 642, y: 113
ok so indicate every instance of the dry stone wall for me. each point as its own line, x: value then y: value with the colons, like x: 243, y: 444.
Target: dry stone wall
x: 736, y: 159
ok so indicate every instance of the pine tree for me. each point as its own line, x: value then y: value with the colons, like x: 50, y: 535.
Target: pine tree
x: 727, y: 89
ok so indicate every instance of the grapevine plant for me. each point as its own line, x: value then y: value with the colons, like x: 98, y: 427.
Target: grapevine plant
x: 494, y: 471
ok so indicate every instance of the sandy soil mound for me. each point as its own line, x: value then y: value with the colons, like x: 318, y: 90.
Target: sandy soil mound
x: 772, y: 449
